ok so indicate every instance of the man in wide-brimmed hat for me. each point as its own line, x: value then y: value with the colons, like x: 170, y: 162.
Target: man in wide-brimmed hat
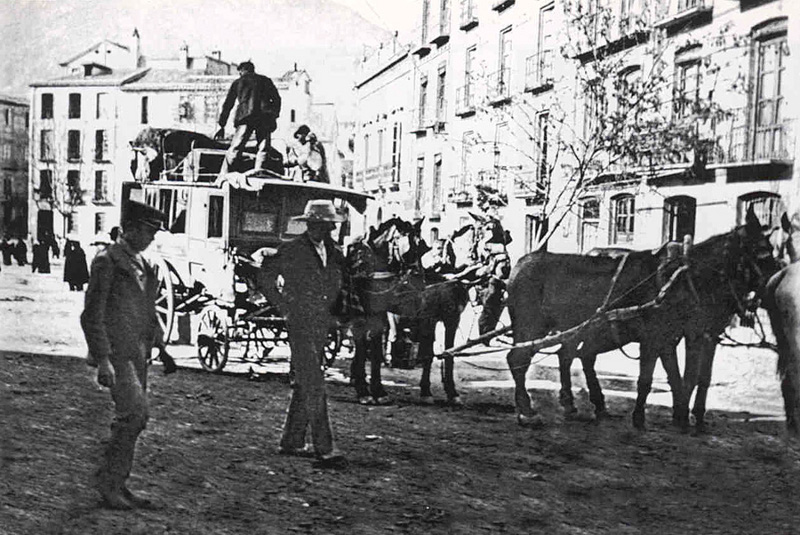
x: 120, y: 325
x: 311, y: 267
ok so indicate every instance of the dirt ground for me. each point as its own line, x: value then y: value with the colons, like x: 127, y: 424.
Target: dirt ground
x: 208, y: 455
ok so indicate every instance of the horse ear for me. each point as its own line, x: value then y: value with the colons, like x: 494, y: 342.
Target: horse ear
x: 752, y: 224
x: 418, y: 225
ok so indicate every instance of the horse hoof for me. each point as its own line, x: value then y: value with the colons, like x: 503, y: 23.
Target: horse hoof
x: 381, y: 400
x: 365, y: 400
x: 426, y: 400
x: 456, y: 401
x: 602, y: 414
x: 533, y: 422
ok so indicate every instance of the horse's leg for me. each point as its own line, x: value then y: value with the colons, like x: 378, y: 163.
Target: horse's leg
x: 358, y: 373
x: 647, y: 364
x: 450, y: 329
x: 376, y: 357
x: 519, y: 360
x: 565, y: 357
x: 595, y: 391
x: 666, y: 350
x: 425, y: 353
x: 708, y: 347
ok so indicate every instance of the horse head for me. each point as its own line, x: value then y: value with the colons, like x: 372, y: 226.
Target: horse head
x: 398, y: 245
x: 750, y: 258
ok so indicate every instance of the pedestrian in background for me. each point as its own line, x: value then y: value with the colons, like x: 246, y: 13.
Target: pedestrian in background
x: 121, y: 328
x: 40, y: 260
x: 21, y: 252
x: 76, y: 273
x: 311, y: 267
x: 7, y: 250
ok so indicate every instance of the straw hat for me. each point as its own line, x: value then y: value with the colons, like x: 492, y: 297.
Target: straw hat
x: 319, y: 210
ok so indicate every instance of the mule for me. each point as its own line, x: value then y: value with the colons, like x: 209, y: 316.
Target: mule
x: 385, y: 272
x: 549, y: 292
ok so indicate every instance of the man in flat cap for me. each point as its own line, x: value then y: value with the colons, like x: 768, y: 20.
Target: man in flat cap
x: 311, y: 268
x: 258, y: 110
x: 121, y: 327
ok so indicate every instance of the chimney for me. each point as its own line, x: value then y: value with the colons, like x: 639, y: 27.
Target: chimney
x: 185, y: 55
x: 137, y: 49
x: 217, y: 55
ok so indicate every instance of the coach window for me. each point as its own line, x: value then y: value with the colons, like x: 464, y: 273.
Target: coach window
x: 623, y: 212
x: 767, y: 206
x: 679, y: 217
x: 216, y: 203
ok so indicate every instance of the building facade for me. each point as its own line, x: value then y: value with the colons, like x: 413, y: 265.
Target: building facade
x: 13, y: 167
x: 82, y: 126
x: 590, y: 123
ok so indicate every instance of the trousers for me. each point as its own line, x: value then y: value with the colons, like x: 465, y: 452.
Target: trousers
x: 308, y: 406
x: 242, y: 133
x: 130, y: 418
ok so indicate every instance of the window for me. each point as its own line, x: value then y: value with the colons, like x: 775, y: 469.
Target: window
x: 444, y: 17
x: 366, y: 151
x: 47, y: 105
x: 216, y: 204
x: 423, y: 100
x: 418, y: 191
x: 623, y: 218
x: 165, y: 200
x: 45, y: 184
x: 101, y: 186
x: 542, y: 165
x: 72, y: 223
x: 504, y: 74
x: 99, y: 222
x: 441, y: 103
x: 397, y: 135
x: 589, y: 210
x: 767, y: 206
x: 74, y: 185
x: 7, y: 192
x: 626, y: 83
x: 544, y: 63
x: 103, y: 106
x: 466, y: 157
x: 469, y: 66
x: 679, y: 217
x: 771, y: 53
x: 536, y: 228
x: 5, y: 152
x: 101, y: 145
x: 7, y: 114
x: 74, y: 145
x: 74, y: 106
x: 380, y: 147
x: 426, y: 9
x: 211, y: 108
x: 436, y: 193
x: 186, y: 108
x: 687, y: 87
x: 145, y: 118
x: 46, y: 145
x: 292, y: 116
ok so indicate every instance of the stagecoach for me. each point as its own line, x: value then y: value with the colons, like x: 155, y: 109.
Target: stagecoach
x: 221, y: 228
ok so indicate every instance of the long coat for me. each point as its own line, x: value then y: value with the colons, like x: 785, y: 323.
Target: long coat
x: 119, y: 318
x: 258, y: 100
x: 309, y: 289
x: 75, y: 269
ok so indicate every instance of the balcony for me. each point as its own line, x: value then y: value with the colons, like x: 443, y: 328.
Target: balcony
x: 737, y: 141
x: 465, y: 101
x: 530, y: 185
x: 462, y: 193
x: 539, y: 72
x: 500, y: 87
x: 442, y: 35
x: 421, y: 120
x: 685, y: 11
x: 423, y: 48
x: 440, y: 118
x: 468, y: 17
x: 500, y: 5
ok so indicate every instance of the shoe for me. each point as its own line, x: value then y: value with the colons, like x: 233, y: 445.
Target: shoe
x: 168, y: 362
x: 138, y: 501
x: 330, y: 460
x: 305, y: 451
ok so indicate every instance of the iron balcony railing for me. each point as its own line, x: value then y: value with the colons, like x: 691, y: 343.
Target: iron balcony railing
x: 465, y: 100
x: 469, y: 18
x: 738, y: 140
x: 539, y: 70
x: 500, y: 85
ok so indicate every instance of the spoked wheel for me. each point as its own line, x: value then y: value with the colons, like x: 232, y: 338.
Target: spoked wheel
x: 165, y: 300
x: 213, y: 345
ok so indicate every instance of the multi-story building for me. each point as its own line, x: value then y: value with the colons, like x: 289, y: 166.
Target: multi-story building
x: 82, y: 126
x: 13, y: 166
x: 543, y: 111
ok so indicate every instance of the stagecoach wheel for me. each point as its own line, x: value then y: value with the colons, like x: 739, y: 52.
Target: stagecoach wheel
x: 333, y: 346
x: 212, y: 340
x: 165, y: 301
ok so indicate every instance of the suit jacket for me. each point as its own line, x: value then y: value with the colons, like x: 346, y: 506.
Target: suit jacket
x: 119, y: 317
x: 309, y: 289
x: 258, y: 99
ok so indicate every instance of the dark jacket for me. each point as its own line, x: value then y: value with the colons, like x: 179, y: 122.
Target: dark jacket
x: 309, y: 289
x: 119, y: 317
x: 258, y: 100
x: 75, y: 269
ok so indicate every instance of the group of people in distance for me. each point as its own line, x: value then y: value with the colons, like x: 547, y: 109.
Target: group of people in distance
x: 76, y: 272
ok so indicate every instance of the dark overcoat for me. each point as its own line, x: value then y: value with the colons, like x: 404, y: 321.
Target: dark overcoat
x: 258, y: 100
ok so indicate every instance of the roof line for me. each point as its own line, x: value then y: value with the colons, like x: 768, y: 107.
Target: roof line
x: 76, y: 56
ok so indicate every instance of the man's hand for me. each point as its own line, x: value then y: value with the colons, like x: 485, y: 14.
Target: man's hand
x: 105, y: 373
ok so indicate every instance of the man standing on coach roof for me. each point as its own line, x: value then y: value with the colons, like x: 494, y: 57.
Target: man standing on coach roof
x: 258, y: 109
x: 311, y: 267
x: 121, y: 327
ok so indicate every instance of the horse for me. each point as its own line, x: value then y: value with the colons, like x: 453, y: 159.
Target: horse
x: 782, y: 301
x: 384, y: 271
x: 553, y: 292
